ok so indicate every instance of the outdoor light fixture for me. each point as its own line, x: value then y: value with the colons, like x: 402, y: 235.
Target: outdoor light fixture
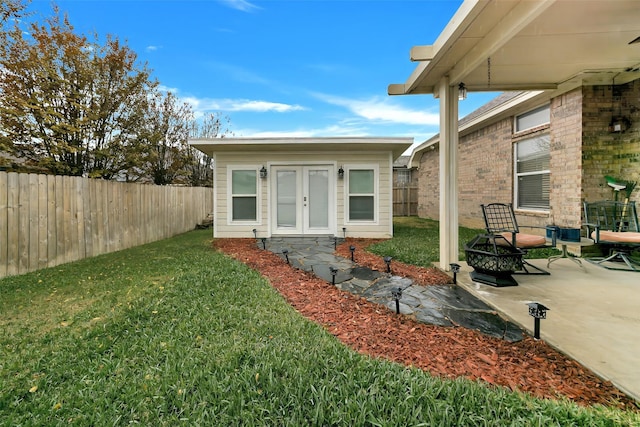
x: 285, y: 252
x: 397, y: 294
x: 335, y: 242
x: 537, y: 311
x: 344, y: 232
x: 264, y: 242
x: 456, y: 269
x: 352, y: 249
x: 263, y: 172
x: 255, y: 233
x: 619, y: 124
x: 387, y: 261
x: 340, y: 173
x: 333, y: 271
x: 462, y: 91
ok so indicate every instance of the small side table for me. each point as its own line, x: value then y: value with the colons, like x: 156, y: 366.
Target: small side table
x: 584, y: 241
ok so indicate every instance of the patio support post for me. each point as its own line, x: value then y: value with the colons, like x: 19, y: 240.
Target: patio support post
x: 448, y: 173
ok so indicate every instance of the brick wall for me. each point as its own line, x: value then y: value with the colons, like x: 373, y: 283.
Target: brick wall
x: 583, y: 151
x: 485, y: 175
x: 429, y: 185
x: 604, y: 152
x: 566, y: 160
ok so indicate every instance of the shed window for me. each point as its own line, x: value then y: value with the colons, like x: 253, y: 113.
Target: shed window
x: 244, y: 195
x: 361, y: 194
x: 532, y: 173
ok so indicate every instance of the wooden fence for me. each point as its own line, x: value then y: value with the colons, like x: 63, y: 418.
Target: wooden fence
x: 405, y: 201
x: 48, y: 220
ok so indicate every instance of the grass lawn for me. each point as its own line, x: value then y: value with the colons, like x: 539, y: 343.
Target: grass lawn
x: 415, y: 241
x: 172, y: 333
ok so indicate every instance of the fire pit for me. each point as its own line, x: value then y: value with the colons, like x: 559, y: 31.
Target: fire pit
x: 493, y: 259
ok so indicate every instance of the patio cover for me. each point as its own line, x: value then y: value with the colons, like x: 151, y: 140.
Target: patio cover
x: 507, y: 45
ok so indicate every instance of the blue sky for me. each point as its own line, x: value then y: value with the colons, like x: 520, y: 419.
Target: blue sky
x: 297, y: 68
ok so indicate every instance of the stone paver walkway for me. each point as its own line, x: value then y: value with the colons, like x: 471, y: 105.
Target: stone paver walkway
x: 442, y: 305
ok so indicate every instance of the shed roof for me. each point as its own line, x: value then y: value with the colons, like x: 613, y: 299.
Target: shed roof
x: 346, y: 144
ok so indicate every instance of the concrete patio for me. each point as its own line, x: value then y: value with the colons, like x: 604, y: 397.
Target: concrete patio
x: 593, y: 317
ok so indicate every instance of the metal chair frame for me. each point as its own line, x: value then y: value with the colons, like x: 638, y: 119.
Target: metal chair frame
x: 499, y: 218
x: 616, y: 216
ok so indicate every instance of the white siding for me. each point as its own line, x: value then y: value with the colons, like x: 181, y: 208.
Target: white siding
x: 382, y: 228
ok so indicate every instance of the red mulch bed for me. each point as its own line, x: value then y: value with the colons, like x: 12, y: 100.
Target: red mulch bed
x: 530, y: 366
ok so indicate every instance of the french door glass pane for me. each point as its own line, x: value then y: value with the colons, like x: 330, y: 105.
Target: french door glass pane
x: 318, y: 198
x: 286, y: 198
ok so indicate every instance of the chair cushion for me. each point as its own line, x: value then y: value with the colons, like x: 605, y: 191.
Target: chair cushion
x: 618, y: 236
x: 526, y: 240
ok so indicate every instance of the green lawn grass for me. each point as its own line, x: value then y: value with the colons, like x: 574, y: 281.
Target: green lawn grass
x: 416, y: 241
x: 173, y: 333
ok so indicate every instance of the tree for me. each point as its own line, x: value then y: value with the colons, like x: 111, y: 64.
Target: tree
x: 200, y: 166
x: 70, y: 105
x: 10, y: 9
x: 165, y: 150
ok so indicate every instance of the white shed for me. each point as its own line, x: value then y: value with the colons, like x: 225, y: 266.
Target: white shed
x: 303, y: 186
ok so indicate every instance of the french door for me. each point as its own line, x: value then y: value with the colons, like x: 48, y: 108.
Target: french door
x: 302, y: 199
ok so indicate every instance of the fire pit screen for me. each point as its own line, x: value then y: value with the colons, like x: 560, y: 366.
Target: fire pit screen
x: 493, y: 259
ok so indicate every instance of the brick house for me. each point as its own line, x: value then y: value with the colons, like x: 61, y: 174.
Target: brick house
x: 574, y: 146
x: 578, y: 66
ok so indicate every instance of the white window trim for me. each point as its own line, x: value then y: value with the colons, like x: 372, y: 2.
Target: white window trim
x: 516, y: 202
x: 230, y: 170
x: 376, y: 191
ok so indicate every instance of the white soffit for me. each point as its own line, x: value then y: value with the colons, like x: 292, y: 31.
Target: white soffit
x: 505, y: 45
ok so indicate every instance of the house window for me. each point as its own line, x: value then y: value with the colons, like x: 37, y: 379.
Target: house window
x: 403, y: 176
x: 532, y: 173
x: 534, y: 118
x: 361, y: 195
x: 244, y: 195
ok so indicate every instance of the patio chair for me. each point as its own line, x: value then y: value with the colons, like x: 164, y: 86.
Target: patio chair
x: 499, y: 219
x: 614, y: 225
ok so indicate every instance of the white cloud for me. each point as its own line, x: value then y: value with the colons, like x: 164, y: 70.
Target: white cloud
x: 152, y: 48
x: 164, y: 88
x: 241, y: 5
x: 384, y: 110
x: 239, y: 105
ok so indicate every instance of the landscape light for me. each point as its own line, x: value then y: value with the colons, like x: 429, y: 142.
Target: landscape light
x: 537, y: 311
x: 333, y: 271
x: 387, y: 261
x: 456, y: 269
x: 397, y: 294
